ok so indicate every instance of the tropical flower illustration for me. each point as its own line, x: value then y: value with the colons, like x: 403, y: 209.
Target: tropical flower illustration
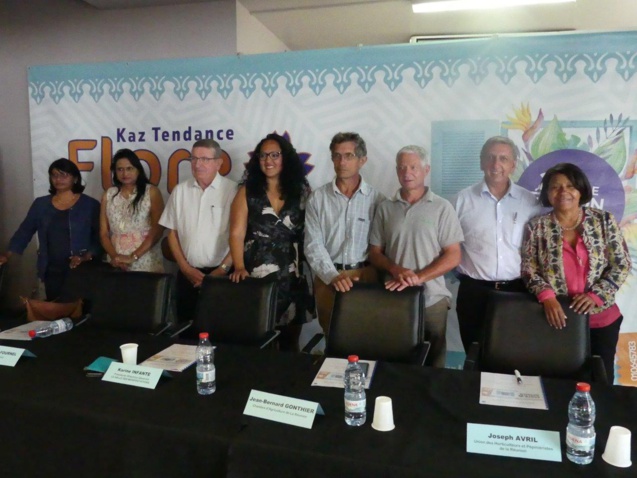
x: 540, y: 138
x: 522, y: 121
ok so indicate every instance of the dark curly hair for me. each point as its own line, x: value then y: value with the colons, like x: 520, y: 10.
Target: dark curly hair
x: 67, y: 166
x: 142, y: 179
x: 574, y: 174
x: 292, y: 181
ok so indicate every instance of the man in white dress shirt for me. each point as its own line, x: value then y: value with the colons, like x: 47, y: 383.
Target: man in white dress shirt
x: 198, y: 217
x: 493, y: 214
x: 337, y: 221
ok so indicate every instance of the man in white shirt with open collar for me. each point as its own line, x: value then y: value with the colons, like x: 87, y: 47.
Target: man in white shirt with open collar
x: 197, y: 216
x: 337, y: 222
x: 492, y: 214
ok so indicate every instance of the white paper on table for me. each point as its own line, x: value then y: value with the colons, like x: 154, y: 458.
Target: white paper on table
x: 21, y: 332
x: 332, y: 373
x: 503, y: 390
x: 175, y: 358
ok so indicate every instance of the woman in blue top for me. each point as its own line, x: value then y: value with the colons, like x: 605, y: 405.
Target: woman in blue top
x: 68, y: 226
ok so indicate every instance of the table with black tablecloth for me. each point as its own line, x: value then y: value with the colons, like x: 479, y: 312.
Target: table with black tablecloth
x: 55, y: 421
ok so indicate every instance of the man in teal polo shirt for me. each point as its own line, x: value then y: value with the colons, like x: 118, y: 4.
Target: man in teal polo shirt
x: 415, y: 238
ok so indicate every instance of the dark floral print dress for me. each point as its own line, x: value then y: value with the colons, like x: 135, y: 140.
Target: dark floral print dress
x: 273, y: 245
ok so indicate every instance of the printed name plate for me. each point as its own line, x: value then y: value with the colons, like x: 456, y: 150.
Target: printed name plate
x: 515, y: 442
x: 278, y: 408
x: 134, y: 375
x: 9, y: 356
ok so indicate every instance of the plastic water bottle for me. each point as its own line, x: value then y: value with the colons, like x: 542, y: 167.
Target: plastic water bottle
x: 580, y: 432
x: 52, y: 328
x: 355, y: 401
x: 206, y: 373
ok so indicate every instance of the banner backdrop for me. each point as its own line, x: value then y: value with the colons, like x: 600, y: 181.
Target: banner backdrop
x: 559, y: 97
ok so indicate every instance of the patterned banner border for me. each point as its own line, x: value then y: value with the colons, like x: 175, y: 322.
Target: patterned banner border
x: 535, y: 56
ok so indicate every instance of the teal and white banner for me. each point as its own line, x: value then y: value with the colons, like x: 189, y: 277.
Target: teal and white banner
x: 547, y: 92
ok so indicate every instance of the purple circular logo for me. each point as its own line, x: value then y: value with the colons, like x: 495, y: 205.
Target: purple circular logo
x: 608, y: 191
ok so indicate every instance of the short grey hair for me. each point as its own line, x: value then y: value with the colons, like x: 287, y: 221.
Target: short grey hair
x: 414, y: 149
x: 499, y: 140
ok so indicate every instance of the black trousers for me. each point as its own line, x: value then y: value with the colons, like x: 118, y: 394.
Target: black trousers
x: 188, y: 295
x: 604, y: 344
x: 471, y: 305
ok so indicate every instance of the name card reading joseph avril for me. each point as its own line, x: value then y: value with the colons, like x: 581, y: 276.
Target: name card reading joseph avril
x: 515, y: 442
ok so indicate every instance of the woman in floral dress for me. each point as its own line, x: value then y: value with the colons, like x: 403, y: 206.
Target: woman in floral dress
x: 266, y: 229
x: 129, y: 219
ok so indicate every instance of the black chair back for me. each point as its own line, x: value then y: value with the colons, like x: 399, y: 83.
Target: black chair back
x: 133, y: 301
x: 518, y: 336
x: 84, y: 283
x: 377, y: 324
x: 237, y: 313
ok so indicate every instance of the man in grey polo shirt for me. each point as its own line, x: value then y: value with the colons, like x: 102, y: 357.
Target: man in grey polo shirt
x: 416, y: 239
x: 338, y: 217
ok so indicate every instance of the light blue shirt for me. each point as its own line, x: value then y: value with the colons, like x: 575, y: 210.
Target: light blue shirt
x: 337, y: 227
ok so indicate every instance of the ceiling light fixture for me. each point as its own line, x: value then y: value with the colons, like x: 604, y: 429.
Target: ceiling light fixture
x: 456, y: 5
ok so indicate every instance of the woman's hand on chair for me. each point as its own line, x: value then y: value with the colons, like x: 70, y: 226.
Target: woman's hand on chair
x: 238, y: 275
x: 554, y: 313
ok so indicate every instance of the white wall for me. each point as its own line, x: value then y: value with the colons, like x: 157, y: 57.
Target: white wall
x: 253, y: 37
x: 37, y: 32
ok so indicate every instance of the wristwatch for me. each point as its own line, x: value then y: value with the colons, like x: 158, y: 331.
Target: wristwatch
x: 225, y: 268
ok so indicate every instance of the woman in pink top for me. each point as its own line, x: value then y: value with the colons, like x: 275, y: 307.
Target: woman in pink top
x: 580, y: 252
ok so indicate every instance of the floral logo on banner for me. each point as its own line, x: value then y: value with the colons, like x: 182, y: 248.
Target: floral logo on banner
x: 601, y: 148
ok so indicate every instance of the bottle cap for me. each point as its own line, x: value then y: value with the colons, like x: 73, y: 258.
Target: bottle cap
x: 32, y: 333
x: 203, y: 335
x: 583, y: 387
x: 352, y: 358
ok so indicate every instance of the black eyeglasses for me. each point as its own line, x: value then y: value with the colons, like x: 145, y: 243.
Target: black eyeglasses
x: 274, y: 155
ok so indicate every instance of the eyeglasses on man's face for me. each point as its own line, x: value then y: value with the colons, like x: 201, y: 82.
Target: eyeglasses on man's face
x: 273, y: 155
x: 203, y: 159
x: 345, y: 156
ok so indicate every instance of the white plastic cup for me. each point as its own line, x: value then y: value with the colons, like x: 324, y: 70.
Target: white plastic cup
x: 617, y: 452
x: 129, y: 353
x: 383, y: 415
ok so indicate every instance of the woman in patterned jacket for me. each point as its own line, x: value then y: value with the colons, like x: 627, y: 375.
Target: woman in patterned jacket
x: 579, y: 252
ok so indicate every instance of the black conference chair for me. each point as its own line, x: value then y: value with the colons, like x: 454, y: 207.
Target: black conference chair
x: 377, y: 324
x: 517, y: 336
x: 84, y: 283
x: 241, y: 313
x: 133, y: 301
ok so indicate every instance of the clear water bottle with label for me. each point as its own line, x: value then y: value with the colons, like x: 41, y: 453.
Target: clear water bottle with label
x: 580, y: 432
x: 206, y: 373
x: 355, y: 401
x: 52, y: 328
